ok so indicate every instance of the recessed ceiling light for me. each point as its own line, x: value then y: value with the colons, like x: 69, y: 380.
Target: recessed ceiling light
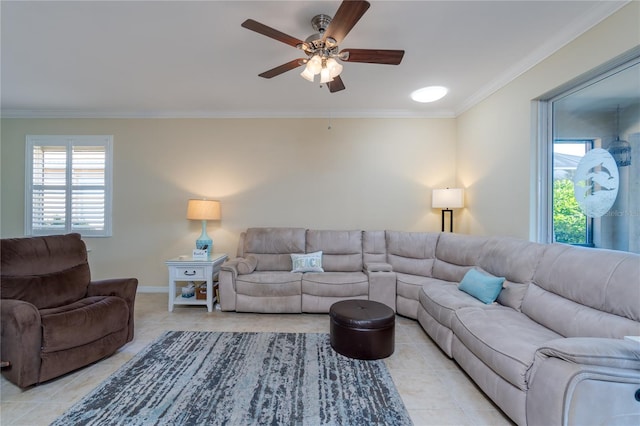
x: 429, y: 94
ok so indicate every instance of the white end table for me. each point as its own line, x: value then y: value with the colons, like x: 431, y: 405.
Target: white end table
x: 185, y: 269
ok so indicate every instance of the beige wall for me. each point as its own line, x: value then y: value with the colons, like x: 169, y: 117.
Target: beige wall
x: 496, y: 161
x: 360, y: 174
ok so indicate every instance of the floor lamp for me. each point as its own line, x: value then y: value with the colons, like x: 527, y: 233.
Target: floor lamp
x: 447, y: 200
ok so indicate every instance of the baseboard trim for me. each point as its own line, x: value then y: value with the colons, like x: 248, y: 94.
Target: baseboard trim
x: 152, y: 289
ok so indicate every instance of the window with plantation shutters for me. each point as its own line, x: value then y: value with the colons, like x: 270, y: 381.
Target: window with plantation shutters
x: 68, y: 185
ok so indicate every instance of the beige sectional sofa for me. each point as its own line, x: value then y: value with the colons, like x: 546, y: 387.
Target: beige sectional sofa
x: 551, y: 348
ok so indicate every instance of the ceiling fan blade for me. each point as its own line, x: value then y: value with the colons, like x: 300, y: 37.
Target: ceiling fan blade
x: 374, y: 56
x: 347, y: 15
x: 336, y: 85
x: 252, y: 25
x: 282, y: 68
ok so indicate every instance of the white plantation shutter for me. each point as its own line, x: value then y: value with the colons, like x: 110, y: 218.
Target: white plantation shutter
x: 68, y: 185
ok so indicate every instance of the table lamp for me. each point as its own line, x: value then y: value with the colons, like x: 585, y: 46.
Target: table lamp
x: 203, y: 210
x: 447, y: 199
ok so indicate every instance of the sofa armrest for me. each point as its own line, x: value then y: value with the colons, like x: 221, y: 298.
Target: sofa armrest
x: 583, y: 380
x: 382, y: 283
x: 231, y: 265
x: 564, y: 392
x: 377, y: 267
x: 124, y: 288
x: 615, y: 353
x: 227, y: 284
x: 21, y: 341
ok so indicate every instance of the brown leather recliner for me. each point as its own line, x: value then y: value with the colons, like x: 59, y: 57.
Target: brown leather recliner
x: 54, y: 319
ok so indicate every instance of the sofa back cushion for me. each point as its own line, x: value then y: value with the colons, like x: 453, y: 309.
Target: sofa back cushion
x: 456, y: 254
x: 374, y: 247
x: 341, y: 250
x: 514, y: 259
x: 585, y: 292
x: 412, y: 252
x: 46, y: 271
x: 273, y: 247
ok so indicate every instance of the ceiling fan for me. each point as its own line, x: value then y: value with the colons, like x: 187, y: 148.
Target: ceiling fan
x: 321, y: 49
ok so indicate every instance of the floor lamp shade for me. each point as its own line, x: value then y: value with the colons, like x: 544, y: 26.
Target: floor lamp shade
x: 203, y: 210
x: 447, y: 200
x: 450, y: 198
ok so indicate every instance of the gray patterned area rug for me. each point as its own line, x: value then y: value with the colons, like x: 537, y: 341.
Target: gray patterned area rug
x: 211, y: 378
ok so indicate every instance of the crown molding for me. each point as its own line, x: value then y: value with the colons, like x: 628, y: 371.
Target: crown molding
x: 598, y: 13
x: 53, y: 114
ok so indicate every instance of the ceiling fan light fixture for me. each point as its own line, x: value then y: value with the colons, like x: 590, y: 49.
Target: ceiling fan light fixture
x: 335, y: 68
x: 325, y: 75
x: 307, y: 74
x: 429, y: 94
x: 315, y: 64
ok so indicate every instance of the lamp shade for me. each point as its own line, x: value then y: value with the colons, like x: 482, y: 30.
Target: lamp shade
x: 203, y: 209
x: 449, y: 198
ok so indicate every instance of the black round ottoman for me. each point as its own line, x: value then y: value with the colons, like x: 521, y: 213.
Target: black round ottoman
x: 362, y: 329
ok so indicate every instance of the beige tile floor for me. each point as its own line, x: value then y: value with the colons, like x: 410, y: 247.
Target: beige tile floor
x: 434, y: 389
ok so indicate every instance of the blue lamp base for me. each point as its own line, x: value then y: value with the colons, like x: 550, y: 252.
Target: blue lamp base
x: 204, y: 242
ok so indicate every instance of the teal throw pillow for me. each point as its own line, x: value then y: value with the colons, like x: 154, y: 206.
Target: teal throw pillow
x: 485, y: 288
x: 310, y: 262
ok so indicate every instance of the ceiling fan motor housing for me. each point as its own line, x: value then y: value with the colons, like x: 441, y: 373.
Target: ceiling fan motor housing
x: 317, y: 43
x: 320, y: 22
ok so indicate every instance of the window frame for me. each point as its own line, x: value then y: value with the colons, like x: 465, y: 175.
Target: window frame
x: 69, y: 142
x: 541, y: 201
x: 588, y: 236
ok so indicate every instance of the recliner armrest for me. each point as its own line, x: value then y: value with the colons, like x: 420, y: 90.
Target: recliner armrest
x: 124, y: 288
x: 21, y: 341
x: 231, y: 265
x: 616, y: 353
x: 377, y: 267
x: 564, y: 392
x: 588, y: 351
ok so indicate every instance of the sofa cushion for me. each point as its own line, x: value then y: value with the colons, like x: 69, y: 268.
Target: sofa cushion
x: 409, y: 286
x: 269, y: 284
x: 342, y: 250
x: 335, y: 284
x: 44, y: 271
x: 441, y: 299
x: 273, y: 246
x: 456, y: 254
x: 604, y: 283
x: 310, y: 262
x: 82, y: 322
x: 485, y: 288
x: 512, y: 294
x: 411, y: 252
x: 374, y: 247
x: 512, y: 258
x: 572, y: 319
x: 503, y: 339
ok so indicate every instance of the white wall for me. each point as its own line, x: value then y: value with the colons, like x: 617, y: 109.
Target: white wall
x: 494, y: 151
x: 360, y: 174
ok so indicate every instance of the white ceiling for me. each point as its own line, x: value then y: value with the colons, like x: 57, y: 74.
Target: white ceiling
x: 193, y: 59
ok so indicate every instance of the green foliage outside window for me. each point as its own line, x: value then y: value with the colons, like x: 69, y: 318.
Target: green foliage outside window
x: 569, y: 223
